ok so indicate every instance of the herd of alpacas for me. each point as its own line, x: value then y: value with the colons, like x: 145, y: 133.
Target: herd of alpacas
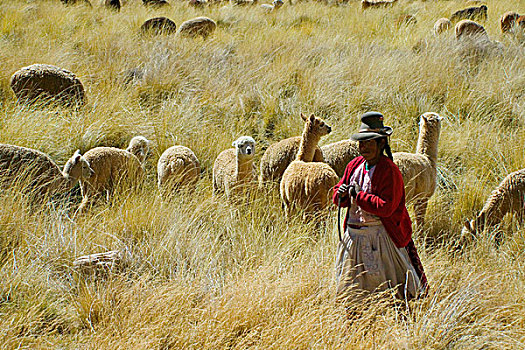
x: 305, y: 172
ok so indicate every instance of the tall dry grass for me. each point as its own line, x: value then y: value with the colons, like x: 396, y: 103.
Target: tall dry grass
x: 202, y: 273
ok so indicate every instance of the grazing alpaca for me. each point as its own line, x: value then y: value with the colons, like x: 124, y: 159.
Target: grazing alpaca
x: 467, y: 29
x: 177, y: 166
x: 419, y: 169
x: 507, y: 197
x: 365, y: 4
x: 111, y: 169
x: 508, y: 20
x: 306, y: 185
x: 472, y: 13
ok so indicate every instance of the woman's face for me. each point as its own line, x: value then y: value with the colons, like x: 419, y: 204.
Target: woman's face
x: 371, y: 150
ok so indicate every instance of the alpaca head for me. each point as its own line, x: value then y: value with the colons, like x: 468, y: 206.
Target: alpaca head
x: 277, y: 3
x: 245, y: 147
x: 430, y: 121
x: 507, y: 21
x: 76, y: 168
x: 139, y: 146
x: 474, y: 226
x: 316, y: 126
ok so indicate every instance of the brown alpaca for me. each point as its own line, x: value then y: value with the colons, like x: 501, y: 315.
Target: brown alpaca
x: 508, y: 20
x: 306, y: 184
x: 365, y: 4
x: 472, y: 13
x: 470, y: 29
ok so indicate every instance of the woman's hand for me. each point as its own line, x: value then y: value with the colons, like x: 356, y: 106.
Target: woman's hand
x: 342, y: 191
x: 354, y: 190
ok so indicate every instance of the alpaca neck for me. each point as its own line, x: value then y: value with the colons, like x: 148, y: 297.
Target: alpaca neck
x: 307, y: 146
x: 244, y: 168
x: 427, y: 144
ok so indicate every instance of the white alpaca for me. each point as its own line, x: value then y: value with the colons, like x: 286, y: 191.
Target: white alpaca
x: 306, y: 184
x: 139, y: 146
x: 233, y: 169
x: 419, y: 169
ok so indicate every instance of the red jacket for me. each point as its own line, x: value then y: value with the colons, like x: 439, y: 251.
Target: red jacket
x: 386, y: 200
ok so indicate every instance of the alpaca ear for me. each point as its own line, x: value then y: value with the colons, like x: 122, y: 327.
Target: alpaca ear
x: 312, y: 117
x: 234, y: 143
x: 77, y: 155
x: 467, y: 225
x: 303, y: 116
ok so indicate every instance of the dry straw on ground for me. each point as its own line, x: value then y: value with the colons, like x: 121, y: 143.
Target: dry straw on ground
x: 207, y: 274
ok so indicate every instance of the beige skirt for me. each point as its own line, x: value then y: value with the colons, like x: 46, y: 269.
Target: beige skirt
x: 368, y: 261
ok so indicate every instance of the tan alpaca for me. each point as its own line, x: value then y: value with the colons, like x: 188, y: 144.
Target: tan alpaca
x: 306, y: 184
x: 278, y: 156
x: 233, y: 169
x: 177, y: 166
x: 112, y: 169
x: 508, y: 197
x: 339, y: 154
x: 419, y: 169
x: 442, y: 25
x: 469, y: 29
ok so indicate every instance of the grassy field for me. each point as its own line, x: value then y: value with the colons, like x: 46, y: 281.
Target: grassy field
x: 205, y: 274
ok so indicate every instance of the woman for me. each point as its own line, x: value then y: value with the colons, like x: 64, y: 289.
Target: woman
x: 377, y: 251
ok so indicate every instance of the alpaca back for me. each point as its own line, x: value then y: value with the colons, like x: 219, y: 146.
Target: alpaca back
x: 339, y: 154
x: 279, y: 155
x: 178, y: 165
x: 419, y: 176
x: 224, y: 169
x: 307, y: 185
x: 113, y: 167
x: 33, y: 169
x: 508, y: 196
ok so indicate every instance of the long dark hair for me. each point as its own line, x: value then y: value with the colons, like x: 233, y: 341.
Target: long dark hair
x: 386, y: 148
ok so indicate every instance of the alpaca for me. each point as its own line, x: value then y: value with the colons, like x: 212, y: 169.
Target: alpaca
x: 306, y: 184
x: 200, y: 26
x: 442, y: 25
x: 139, y: 146
x: 233, y: 169
x: 467, y: 29
x: 177, y: 166
x: 158, y: 26
x: 339, y: 154
x: 36, y: 171
x: 276, y: 4
x: 507, y: 197
x: 471, y: 13
x: 419, y: 169
x: 278, y: 156
x: 46, y: 81
x: 111, y: 168
x: 365, y: 4
x: 508, y: 20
